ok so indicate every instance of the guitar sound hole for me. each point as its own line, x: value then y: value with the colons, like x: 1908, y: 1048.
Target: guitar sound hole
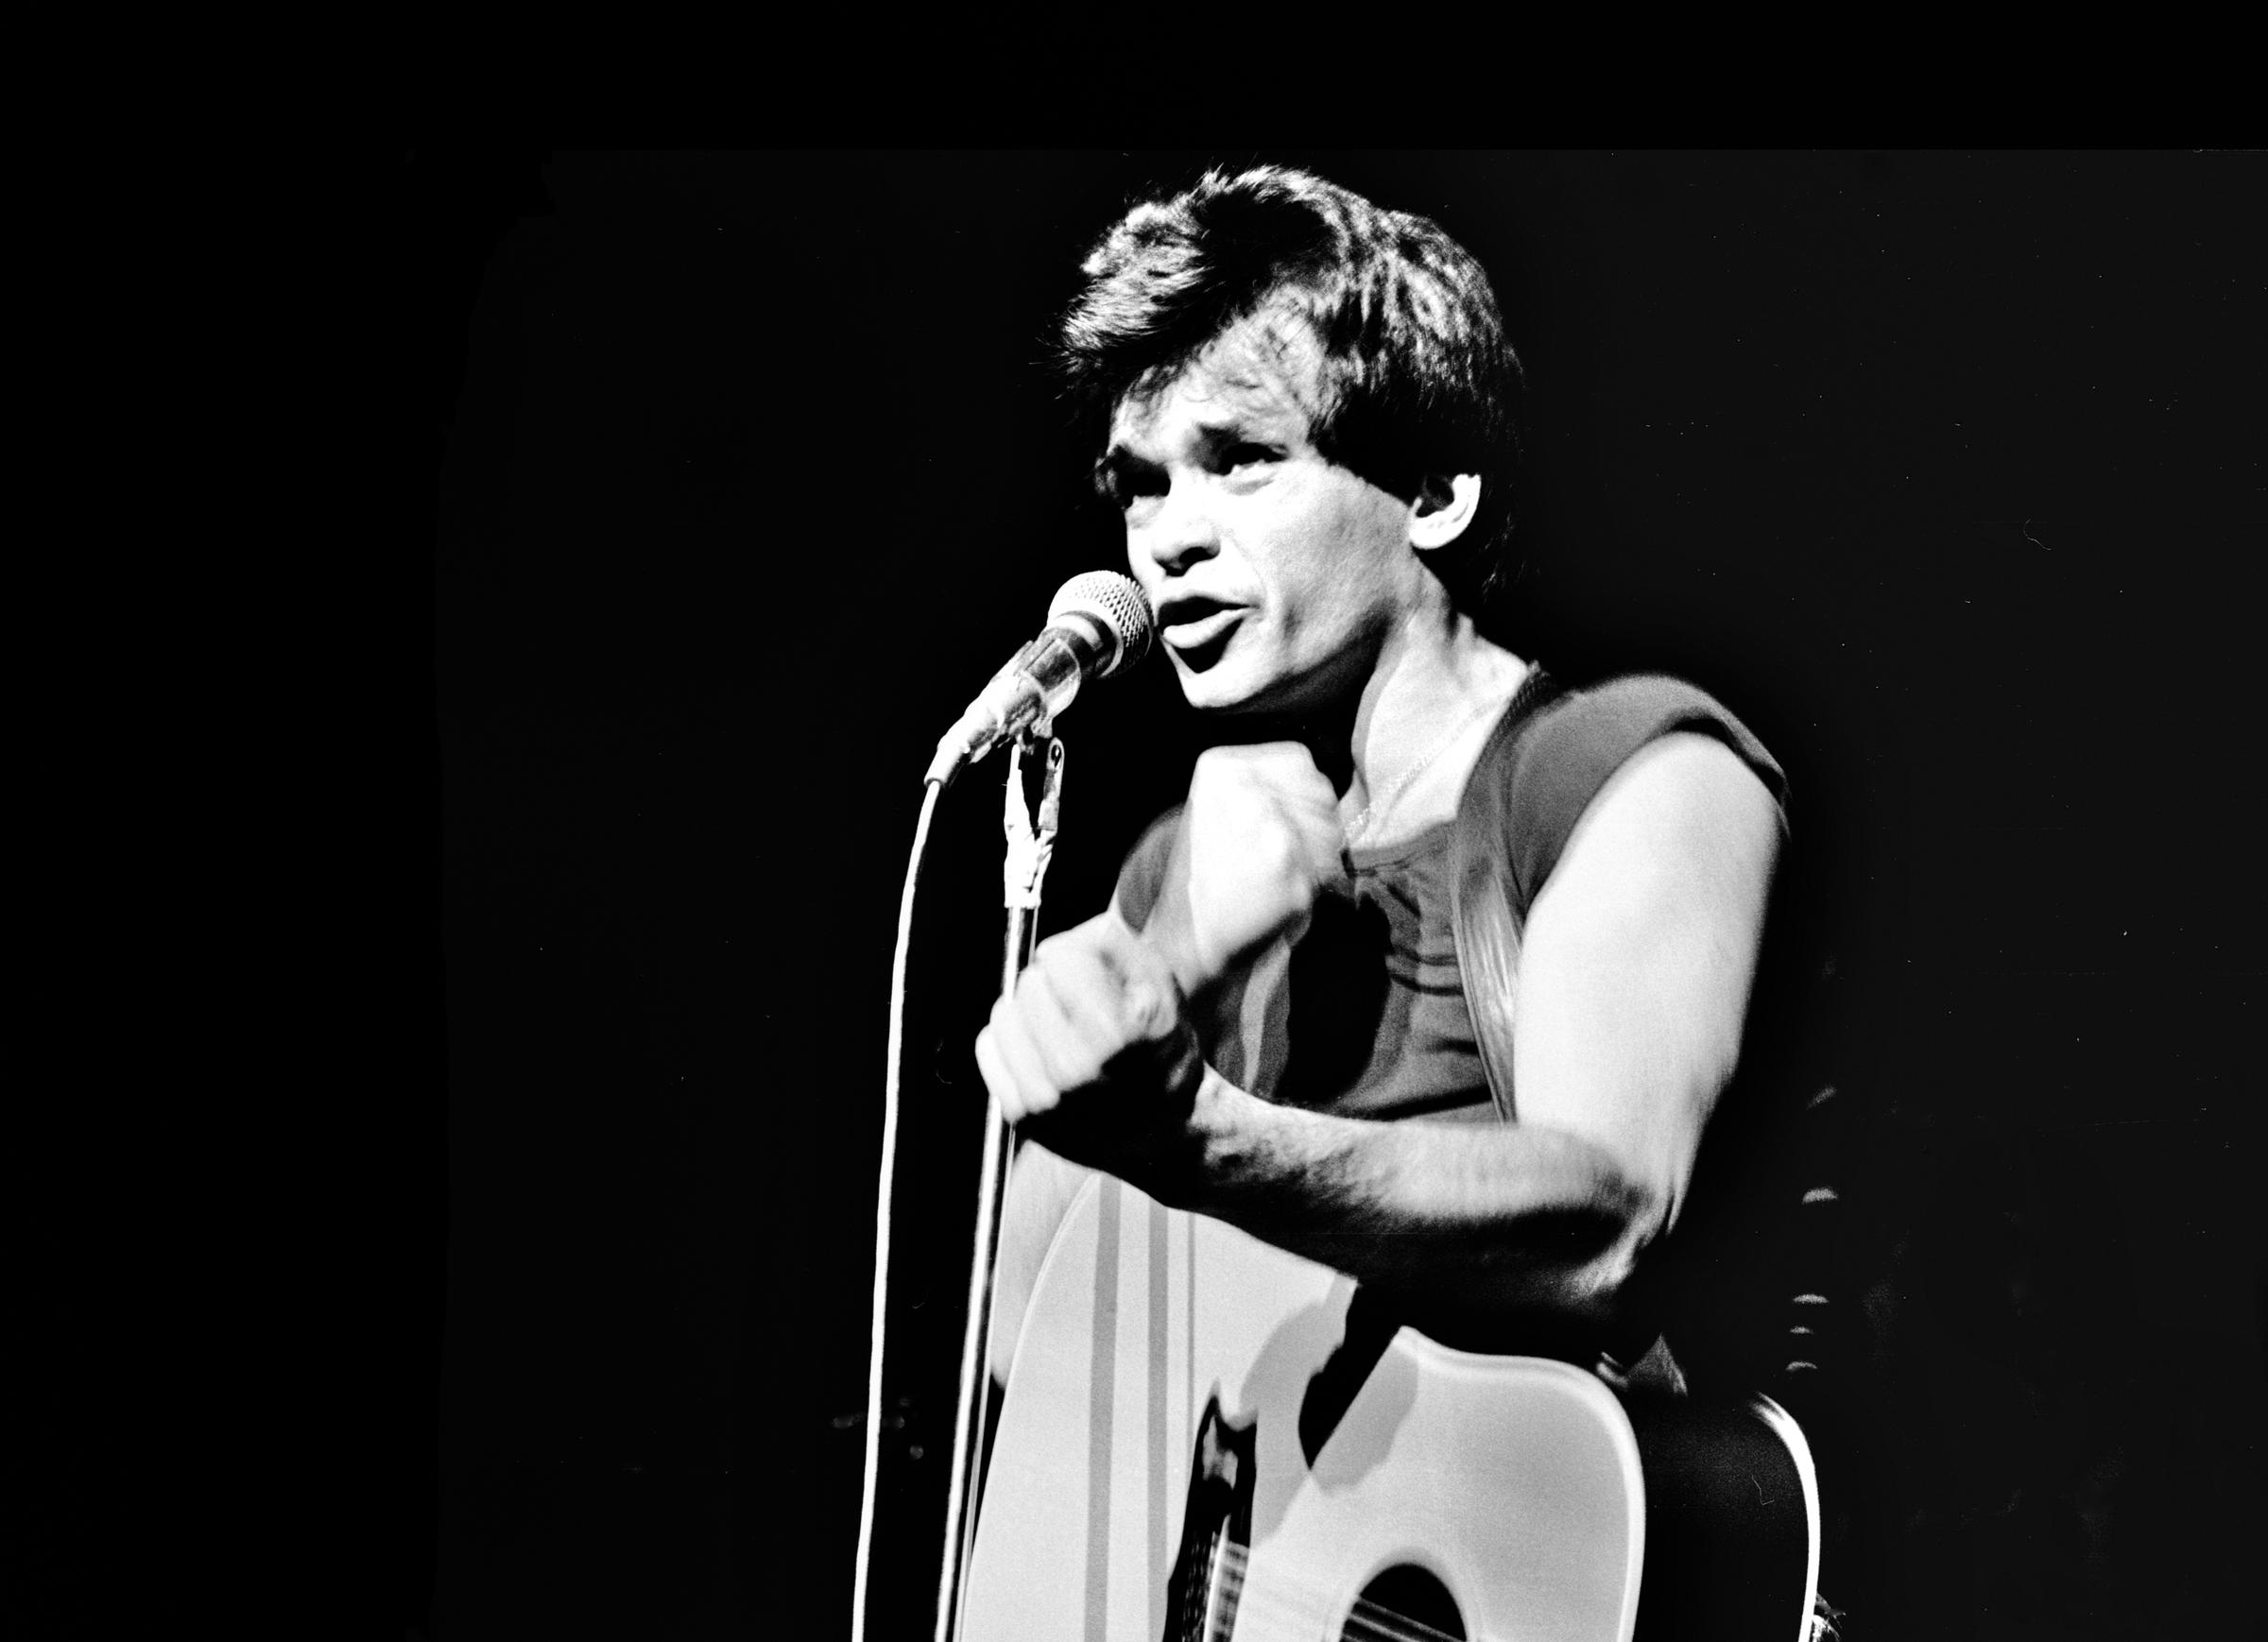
x: 1421, y: 1607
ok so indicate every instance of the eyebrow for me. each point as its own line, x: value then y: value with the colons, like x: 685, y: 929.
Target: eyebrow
x: 1237, y: 430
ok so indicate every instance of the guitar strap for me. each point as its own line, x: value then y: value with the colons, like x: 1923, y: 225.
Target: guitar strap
x: 1486, y: 907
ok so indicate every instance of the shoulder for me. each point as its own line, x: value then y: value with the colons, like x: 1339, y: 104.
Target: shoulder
x: 1667, y: 755
x: 1683, y: 821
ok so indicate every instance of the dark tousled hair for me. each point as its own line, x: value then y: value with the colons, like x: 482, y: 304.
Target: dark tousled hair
x: 1417, y: 377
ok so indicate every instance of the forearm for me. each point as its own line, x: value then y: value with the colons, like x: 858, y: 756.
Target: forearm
x: 1499, y: 1219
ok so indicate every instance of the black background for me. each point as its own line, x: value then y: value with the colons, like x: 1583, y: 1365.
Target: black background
x: 1944, y: 470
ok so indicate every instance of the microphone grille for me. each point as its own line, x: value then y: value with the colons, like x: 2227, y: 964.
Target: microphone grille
x: 1115, y: 602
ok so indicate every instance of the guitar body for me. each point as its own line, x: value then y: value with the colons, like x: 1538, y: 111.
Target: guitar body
x: 1485, y: 1496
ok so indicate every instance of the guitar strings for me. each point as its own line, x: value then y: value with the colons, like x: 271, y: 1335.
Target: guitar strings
x: 1366, y: 1622
x: 1278, y: 1613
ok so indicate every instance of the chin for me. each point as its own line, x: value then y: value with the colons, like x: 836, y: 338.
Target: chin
x: 1221, y: 688
x: 1204, y: 696
x: 1249, y: 680
x: 1217, y: 695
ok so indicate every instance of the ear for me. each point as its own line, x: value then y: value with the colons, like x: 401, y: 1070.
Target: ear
x: 1445, y: 506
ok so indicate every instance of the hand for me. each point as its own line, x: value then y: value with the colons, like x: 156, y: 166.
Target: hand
x: 1260, y: 836
x: 1093, y: 1052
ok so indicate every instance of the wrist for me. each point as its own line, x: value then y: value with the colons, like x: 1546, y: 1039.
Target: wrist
x: 1190, y: 1168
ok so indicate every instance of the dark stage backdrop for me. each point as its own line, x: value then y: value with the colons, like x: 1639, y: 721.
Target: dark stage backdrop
x: 1944, y: 470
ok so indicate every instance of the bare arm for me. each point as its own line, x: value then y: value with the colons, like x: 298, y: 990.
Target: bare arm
x: 1634, y: 979
x: 1635, y: 973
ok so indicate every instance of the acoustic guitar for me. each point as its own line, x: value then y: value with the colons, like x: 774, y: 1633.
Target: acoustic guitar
x: 1195, y: 1447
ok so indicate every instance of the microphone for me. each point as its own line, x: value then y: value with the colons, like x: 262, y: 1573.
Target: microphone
x: 1098, y: 624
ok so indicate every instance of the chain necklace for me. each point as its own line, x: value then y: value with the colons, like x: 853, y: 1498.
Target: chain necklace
x: 1378, y: 809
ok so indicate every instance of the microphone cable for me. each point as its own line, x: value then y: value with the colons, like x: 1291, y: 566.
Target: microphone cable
x: 1099, y: 623
x: 893, y: 1077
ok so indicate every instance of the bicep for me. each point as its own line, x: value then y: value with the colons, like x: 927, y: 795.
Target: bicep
x: 1639, y: 955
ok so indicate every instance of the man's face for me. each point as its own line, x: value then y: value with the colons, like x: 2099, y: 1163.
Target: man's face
x: 1275, y: 574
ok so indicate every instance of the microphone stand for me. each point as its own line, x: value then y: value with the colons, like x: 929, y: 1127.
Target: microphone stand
x: 1030, y: 846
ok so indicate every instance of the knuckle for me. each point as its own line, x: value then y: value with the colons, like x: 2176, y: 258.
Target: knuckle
x: 1149, y: 1009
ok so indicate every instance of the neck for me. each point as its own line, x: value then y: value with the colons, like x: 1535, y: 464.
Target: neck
x: 1433, y: 681
x: 1408, y: 736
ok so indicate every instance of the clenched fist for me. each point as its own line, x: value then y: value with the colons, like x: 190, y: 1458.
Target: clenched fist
x: 1260, y: 837
x: 1094, y: 1051
x: 1091, y: 1050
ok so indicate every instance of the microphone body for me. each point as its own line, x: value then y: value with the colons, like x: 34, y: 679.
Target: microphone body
x: 1098, y: 624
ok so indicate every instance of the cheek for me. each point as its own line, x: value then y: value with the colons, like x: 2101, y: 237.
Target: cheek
x: 1146, y: 569
x: 1372, y: 552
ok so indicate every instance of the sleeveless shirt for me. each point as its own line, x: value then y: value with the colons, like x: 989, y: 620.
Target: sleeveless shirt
x: 1365, y: 1016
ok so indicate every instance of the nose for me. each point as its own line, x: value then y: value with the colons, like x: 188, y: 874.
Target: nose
x: 1178, y: 533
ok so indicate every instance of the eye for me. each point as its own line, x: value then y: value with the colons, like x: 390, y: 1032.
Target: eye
x: 1249, y: 456
x: 1123, y: 483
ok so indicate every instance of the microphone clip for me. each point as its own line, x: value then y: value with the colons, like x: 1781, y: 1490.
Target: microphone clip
x: 1031, y: 845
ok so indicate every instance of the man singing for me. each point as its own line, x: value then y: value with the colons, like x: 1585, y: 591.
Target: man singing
x: 1308, y: 405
